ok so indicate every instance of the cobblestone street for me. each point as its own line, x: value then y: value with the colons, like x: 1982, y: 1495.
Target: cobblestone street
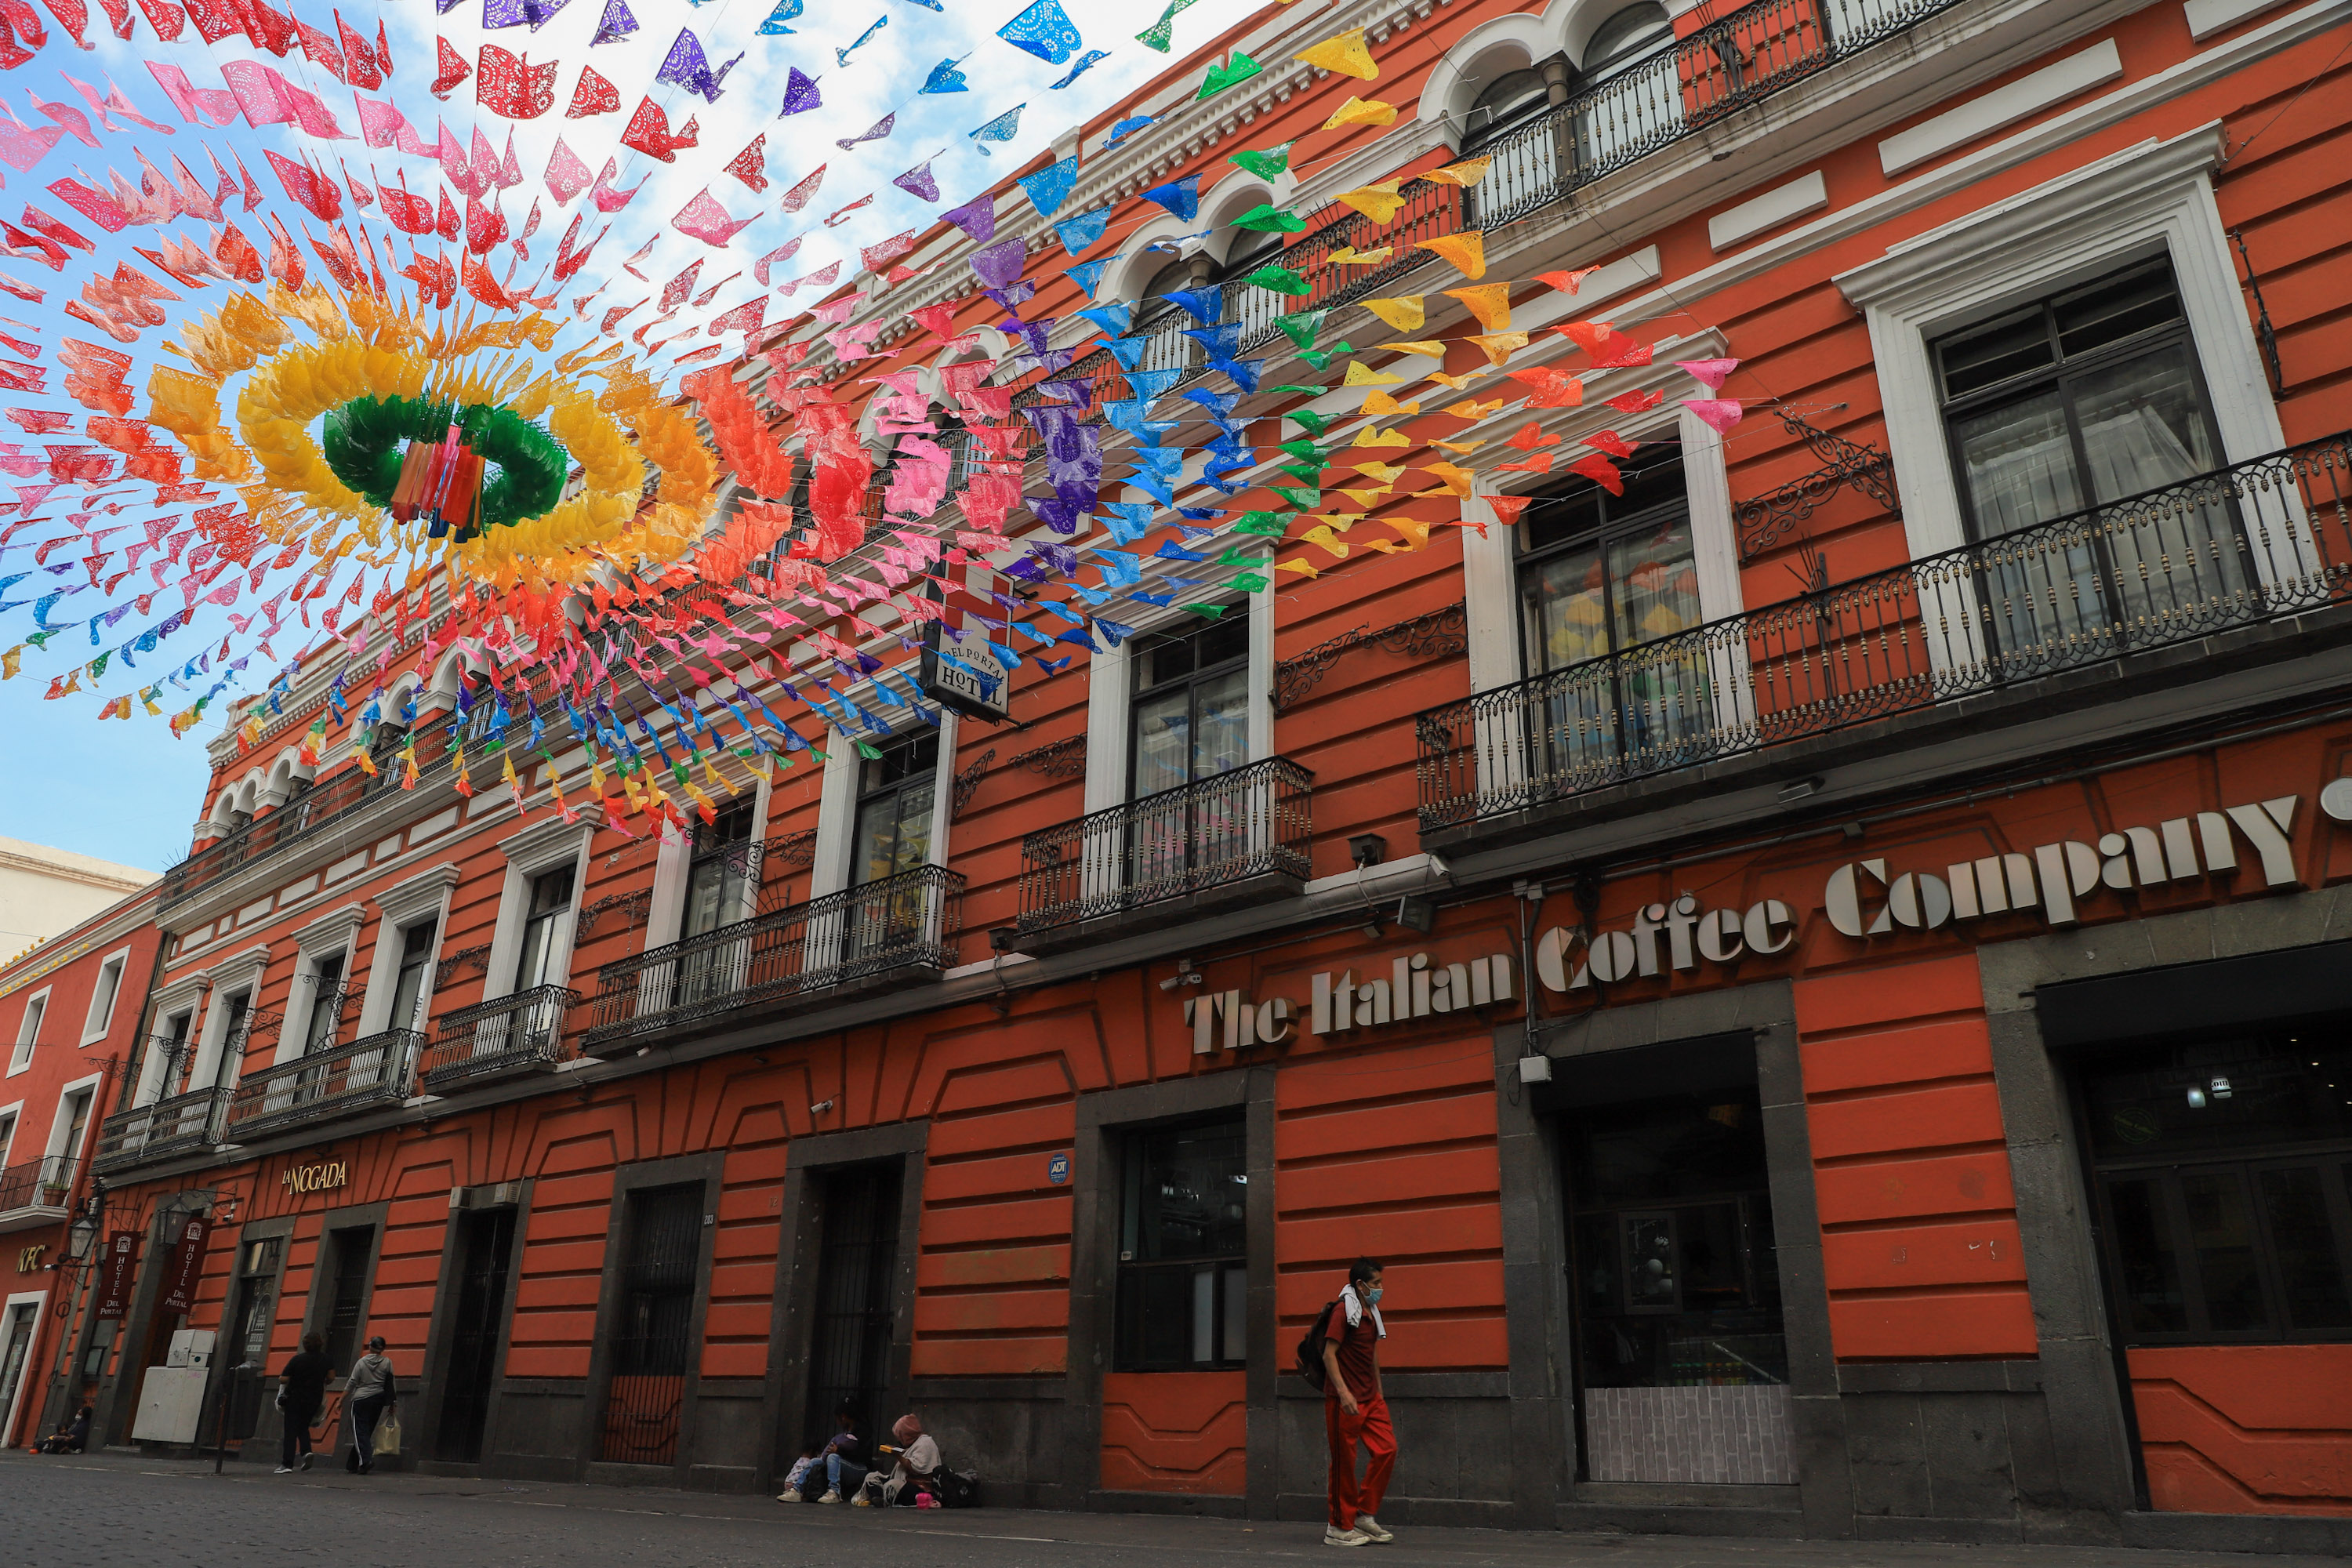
x: 110, y: 1509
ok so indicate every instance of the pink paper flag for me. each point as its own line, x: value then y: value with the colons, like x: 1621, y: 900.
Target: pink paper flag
x: 607, y: 199
x: 799, y: 195
x: 775, y: 257
x: 1722, y: 413
x: 567, y: 177
x: 709, y: 222
x: 1710, y: 371
x: 197, y: 105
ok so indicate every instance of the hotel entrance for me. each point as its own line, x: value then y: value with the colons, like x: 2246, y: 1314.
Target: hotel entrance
x: 1680, y: 1366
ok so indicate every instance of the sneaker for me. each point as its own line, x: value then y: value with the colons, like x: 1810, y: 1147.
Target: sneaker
x: 285, y: 1470
x: 1335, y: 1536
x: 306, y: 1461
x: 1369, y: 1528
x: 790, y: 1494
x: 830, y: 1497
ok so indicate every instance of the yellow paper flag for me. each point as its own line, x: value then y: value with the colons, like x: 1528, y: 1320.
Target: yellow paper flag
x: 1457, y: 382
x: 1468, y: 172
x: 1359, y: 374
x: 1378, y: 203
x: 1372, y: 435
x: 1457, y: 477
x: 1416, y: 532
x: 1466, y: 252
x: 1499, y: 346
x: 1385, y: 472
x: 1459, y: 447
x: 1381, y: 403
x: 1326, y: 541
x: 1302, y: 565
x: 1366, y: 498
x: 1345, y: 54
x: 1348, y: 256
x: 1471, y: 408
x: 1403, y: 313
x: 1490, y: 302
x: 1429, y: 346
x: 1362, y: 111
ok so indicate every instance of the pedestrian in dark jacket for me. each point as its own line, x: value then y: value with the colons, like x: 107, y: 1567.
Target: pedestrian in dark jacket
x: 368, y: 1395
x: 302, y: 1390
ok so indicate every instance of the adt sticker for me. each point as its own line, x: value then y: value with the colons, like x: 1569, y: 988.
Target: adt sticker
x: 1058, y: 1170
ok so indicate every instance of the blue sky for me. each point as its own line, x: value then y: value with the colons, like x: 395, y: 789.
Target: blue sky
x: 127, y: 791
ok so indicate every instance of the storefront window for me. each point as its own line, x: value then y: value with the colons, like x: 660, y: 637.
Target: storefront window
x: 1183, y: 1253
x: 1678, y: 1278
x: 1192, y: 704
x: 2225, y: 1173
x: 893, y: 808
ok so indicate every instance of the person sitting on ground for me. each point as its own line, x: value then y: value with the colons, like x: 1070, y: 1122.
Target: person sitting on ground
x: 71, y: 1436
x: 918, y: 1468
x: 796, y: 1480
x: 837, y: 1459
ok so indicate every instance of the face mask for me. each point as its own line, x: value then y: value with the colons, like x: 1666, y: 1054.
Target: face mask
x: 1372, y: 1296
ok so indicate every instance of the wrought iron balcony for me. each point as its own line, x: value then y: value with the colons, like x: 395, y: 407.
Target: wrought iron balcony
x: 35, y: 1192
x: 503, y: 1038
x: 1240, y: 837
x: 324, y: 808
x: 339, y: 1082
x: 183, y: 1124
x: 900, y: 931
x: 2231, y: 548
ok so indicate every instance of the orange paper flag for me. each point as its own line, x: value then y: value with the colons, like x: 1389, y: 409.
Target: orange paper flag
x: 1466, y: 252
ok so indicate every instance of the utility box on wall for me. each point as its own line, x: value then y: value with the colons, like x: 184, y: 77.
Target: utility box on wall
x: 171, y: 1405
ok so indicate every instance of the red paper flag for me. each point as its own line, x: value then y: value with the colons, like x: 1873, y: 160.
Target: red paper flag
x: 592, y: 95
x: 168, y: 20
x: 512, y: 87
x: 799, y: 195
x: 1601, y: 471
x: 316, y: 191
x: 751, y: 165
x: 454, y: 70
x: 360, y: 66
x: 649, y: 132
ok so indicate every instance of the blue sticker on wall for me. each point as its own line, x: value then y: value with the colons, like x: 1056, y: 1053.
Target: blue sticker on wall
x: 1058, y: 1170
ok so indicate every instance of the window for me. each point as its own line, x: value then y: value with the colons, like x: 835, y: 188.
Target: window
x: 542, y: 932
x: 256, y: 1295
x: 76, y: 1121
x: 326, y: 1005
x: 1601, y: 573
x: 720, y: 869
x: 349, y: 1253
x: 383, y: 750
x: 1161, y: 319
x: 103, y: 993
x: 417, y: 944
x: 29, y: 1032
x: 2224, y: 1169
x: 1192, y: 704
x: 1183, y: 1249
x: 232, y: 1053
x: 172, y: 1049
x: 893, y: 808
x: 1502, y: 105
x: 8, y: 1136
x: 1632, y: 33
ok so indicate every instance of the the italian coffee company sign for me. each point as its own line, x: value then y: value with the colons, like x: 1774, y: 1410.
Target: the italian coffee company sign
x: 1342, y: 1001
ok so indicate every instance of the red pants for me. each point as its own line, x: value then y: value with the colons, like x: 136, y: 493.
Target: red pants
x: 1370, y: 1426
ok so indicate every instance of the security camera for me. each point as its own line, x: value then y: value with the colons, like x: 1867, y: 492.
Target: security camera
x: 820, y: 1108
x: 1185, y: 975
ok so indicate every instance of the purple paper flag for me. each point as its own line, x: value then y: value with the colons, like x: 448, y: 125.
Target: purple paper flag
x: 917, y: 182
x: 880, y: 129
x: 977, y: 219
x: 800, y: 94
x: 686, y: 66
x: 999, y: 266
x: 615, y: 24
x: 498, y: 14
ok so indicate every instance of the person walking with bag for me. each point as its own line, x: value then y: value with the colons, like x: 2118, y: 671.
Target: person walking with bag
x: 370, y: 1395
x: 1354, y: 1411
x: 302, y: 1389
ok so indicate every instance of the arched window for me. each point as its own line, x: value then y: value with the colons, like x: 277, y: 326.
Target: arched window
x: 1160, y: 318
x: 1632, y: 33
x: 1505, y: 104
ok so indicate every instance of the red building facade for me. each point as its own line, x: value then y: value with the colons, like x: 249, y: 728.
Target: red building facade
x: 1821, y: 973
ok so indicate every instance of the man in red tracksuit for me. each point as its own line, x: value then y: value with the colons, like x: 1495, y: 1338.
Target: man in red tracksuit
x: 1354, y: 1410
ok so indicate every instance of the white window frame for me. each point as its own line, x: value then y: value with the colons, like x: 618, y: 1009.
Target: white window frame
x: 398, y: 906
x: 12, y: 1117
x: 61, y: 1123
x: 333, y: 934
x: 39, y: 1301
x: 29, y: 1024
x: 94, y: 1026
x: 242, y: 973
x: 665, y: 916
x: 1110, y: 698
x: 2153, y: 198
x: 185, y: 995
x: 541, y: 848
x: 836, y: 812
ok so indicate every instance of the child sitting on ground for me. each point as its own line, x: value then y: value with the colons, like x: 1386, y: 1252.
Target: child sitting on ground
x: 796, y: 1479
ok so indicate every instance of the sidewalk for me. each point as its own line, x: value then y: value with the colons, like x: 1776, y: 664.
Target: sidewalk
x: 60, y: 1512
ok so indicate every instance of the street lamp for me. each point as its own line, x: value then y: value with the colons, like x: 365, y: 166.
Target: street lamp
x: 81, y: 1236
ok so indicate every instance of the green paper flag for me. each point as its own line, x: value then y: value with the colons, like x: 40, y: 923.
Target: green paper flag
x: 1249, y: 581
x: 1267, y: 218
x: 1300, y: 327
x: 1232, y: 73
x: 1280, y: 280
x: 1304, y: 500
x: 1265, y: 165
x: 1314, y: 424
x: 1156, y: 36
x: 1267, y: 525
x: 868, y: 753
x: 1206, y: 611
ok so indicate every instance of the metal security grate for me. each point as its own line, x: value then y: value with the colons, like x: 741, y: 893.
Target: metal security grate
x: 653, y: 1345
x: 849, y: 1353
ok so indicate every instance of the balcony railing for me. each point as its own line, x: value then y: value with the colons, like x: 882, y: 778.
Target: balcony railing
x: 181, y: 1125
x: 316, y: 811
x: 2237, y: 546
x: 1222, y: 833
x: 35, y: 1190
x: 518, y: 1033
x: 889, y: 931
x: 1747, y: 56
x: 366, y: 1073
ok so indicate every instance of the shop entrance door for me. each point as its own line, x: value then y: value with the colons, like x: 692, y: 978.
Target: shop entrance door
x: 1681, y: 1367
x: 849, y: 1349
x: 16, y: 1345
x: 653, y: 1347
x: 484, y: 1240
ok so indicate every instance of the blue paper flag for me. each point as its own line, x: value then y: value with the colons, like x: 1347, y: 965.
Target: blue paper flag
x: 785, y: 11
x: 1243, y: 371
x: 1078, y: 233
x: 1085, y: 63
x: 1181, y: 197
x: 1128, y: 520
x: 1222, y: 340
x: 1087, y: 275
x: 1111, y: 318
x: 1203, y: 305
x: 1123, y: 129
x: 1042, y: 30
x: 1150, y: 385
x: 944, y: 77
x: 1050, y: 186
x: 841, y: 57
x: 1003, y: 127
x: 1128, y: 351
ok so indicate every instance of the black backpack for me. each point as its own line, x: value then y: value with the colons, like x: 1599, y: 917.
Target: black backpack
x: 1310, y: 1347
x: 957, y: 1488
